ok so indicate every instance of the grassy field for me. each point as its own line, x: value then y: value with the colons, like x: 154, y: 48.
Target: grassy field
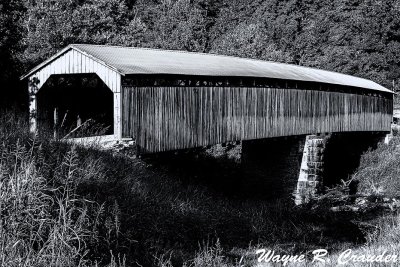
x: 63, y: 205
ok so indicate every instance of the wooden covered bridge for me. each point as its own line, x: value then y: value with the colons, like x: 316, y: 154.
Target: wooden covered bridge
x: 170, y: 100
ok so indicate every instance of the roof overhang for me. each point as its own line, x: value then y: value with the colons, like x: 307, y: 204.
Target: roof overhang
x: 59, y: 54
x: 131, y: 60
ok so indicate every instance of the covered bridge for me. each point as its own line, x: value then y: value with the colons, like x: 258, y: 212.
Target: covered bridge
x: 170, y: 100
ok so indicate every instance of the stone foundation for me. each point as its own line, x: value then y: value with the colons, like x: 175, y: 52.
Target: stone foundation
x: 310, y: 180
x: 328, y: 159
x: 300, y: 167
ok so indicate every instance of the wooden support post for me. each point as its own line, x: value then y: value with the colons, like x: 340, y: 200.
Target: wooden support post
x: 118, y: 109
x: 117, y: 116
x: 32, y: 88
x: 55, y: 123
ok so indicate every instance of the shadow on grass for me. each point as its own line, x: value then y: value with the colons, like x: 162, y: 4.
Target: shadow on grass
x: 173, y: 203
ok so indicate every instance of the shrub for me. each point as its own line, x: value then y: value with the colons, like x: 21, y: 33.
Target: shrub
x: 379, y: 170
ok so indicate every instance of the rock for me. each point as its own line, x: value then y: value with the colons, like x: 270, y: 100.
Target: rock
x: 360, y: 201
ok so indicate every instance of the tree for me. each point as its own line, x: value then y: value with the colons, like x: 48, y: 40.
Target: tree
x: 107, y: 22
x: 54, y: 25
x: 180, y: 25
x: 251, y: 41
x: 11, y: 32
x: 48, y: 29
x: 358, y: 37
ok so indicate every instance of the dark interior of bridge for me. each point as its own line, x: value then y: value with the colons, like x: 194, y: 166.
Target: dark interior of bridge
x: 75, y: 106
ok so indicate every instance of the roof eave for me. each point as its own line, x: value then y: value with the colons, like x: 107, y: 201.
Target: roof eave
x: 44, y: 63
x: 60, y: 53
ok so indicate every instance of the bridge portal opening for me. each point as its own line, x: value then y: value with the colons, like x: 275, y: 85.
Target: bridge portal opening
x: 75, y: 106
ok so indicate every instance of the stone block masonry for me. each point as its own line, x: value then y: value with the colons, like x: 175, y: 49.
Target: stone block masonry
x: 300, y: 167
x: 328, y: 159
x: 310, y: 180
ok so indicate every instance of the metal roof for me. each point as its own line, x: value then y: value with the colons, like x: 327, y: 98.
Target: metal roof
x: 132, y: 60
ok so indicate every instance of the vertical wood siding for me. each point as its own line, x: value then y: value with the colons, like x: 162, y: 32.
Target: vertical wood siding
x: 170, y: 118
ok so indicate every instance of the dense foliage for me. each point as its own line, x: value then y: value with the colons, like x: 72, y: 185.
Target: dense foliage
x: 359, y: 37
x: 379, y: 170
x: 70, y: 206
x: 11, y: 34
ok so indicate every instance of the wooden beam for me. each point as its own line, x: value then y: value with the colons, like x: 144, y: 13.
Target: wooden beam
x: 55, y: 123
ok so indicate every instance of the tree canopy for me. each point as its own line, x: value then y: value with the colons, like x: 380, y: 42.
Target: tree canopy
x: 357, y: 37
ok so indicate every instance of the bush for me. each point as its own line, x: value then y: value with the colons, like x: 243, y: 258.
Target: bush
x: 379, y: 170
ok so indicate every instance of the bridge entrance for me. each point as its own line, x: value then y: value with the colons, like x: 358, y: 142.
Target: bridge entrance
x: 75, y: 106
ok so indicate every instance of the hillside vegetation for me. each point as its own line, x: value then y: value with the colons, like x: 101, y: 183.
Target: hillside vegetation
x: 358, y: 37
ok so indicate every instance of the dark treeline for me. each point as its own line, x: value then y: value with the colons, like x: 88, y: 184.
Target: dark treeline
x: 358, y: 37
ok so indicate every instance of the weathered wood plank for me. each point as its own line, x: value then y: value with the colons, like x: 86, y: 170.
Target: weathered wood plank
x: 170, y: 118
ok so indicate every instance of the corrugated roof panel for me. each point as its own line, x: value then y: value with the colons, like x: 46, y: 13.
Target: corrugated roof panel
x: 130, y: 60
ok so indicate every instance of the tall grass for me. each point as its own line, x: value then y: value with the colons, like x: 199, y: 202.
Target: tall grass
x: 64, y: 205
x: 43, y: 222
